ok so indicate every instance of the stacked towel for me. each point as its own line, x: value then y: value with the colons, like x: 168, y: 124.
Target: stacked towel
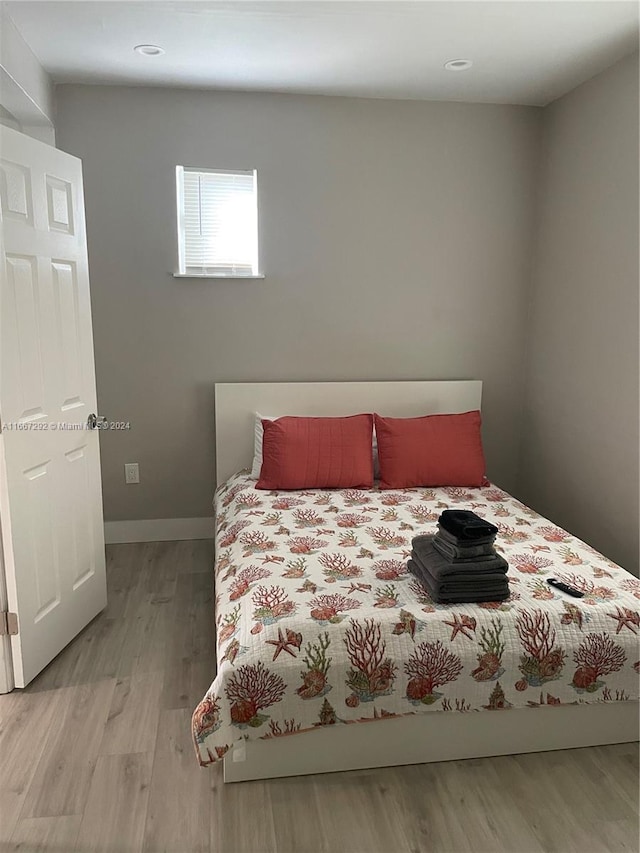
x: 455, y: 553
x: 460, y: 563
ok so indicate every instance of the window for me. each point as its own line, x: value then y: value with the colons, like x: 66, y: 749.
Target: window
x: 217, y: 222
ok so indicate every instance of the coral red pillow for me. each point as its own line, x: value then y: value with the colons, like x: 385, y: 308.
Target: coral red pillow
x: 317, y: 453
x: 437, y: 450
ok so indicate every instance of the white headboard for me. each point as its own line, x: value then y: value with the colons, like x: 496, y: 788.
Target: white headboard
x: 237, y: 403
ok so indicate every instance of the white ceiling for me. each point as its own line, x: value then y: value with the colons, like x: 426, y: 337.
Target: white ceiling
x: 522, y: 52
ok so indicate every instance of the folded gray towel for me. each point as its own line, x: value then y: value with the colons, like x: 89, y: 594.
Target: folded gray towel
x: 455, y: 597
x: 463, y: 581
x: 457, y: 554
x: 427, y: 555
x: 462, y: 543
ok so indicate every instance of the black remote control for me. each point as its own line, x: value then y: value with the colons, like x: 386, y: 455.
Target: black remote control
x: 570, y: 590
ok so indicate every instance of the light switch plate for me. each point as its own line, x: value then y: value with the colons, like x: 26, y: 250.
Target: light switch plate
x: 131, y: 473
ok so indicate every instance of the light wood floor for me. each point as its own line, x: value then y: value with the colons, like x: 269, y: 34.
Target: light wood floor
x: 96, y: 755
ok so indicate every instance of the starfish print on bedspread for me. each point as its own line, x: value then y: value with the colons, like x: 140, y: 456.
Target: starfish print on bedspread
x: 269, y: 558
x: 283, y: 642
x: 461, y: 623
x: 626, y: 619
x: 357, y: 587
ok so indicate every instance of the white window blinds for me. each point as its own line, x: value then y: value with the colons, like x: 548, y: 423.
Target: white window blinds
x: 217, y: 222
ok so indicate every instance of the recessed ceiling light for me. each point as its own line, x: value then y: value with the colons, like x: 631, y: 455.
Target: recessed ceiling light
x: 149, y: 49
x: 458, y: 64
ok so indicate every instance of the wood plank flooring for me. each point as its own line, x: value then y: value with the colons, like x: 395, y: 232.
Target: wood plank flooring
x: 96, y: 756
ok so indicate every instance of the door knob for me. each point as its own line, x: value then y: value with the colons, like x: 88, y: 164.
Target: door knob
x: 96, y: 421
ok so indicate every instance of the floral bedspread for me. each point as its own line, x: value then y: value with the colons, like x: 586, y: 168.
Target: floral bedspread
x: 319, y: 623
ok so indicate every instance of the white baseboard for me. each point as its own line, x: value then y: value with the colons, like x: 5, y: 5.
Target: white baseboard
x: 157, y: 530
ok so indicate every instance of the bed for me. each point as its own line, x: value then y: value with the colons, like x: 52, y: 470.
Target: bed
x: 320, y: 626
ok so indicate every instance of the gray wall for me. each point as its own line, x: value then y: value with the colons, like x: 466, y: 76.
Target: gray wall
x: 395, y: 237
x: 579, y: 461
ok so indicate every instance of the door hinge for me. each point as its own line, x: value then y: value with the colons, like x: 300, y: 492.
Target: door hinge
x: 8, y: 623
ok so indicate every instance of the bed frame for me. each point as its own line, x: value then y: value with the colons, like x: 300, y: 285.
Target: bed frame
x: 412, y: 739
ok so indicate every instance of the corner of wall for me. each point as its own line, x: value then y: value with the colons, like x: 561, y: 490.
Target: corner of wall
x: 538, y: 193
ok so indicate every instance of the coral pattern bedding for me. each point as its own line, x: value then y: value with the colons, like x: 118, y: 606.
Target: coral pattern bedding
x: 319, y: 623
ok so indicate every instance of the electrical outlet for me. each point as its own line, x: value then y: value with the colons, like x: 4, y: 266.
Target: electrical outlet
x: 131, y: 473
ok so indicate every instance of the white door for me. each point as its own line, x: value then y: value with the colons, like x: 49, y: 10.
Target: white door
x: 50, y: 490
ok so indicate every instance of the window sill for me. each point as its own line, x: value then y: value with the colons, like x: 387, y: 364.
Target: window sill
x: 209, y: 275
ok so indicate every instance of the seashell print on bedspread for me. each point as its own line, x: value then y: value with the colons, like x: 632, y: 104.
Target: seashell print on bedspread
x: 319, y: 623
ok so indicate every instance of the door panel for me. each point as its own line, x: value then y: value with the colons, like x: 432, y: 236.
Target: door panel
x: 67, y: 311
x: 59, y: 205
x: 15, y: 192
x: 79, y: 515
x: 27, y: 379
x: 51, y: 501
x: 38, y: 494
